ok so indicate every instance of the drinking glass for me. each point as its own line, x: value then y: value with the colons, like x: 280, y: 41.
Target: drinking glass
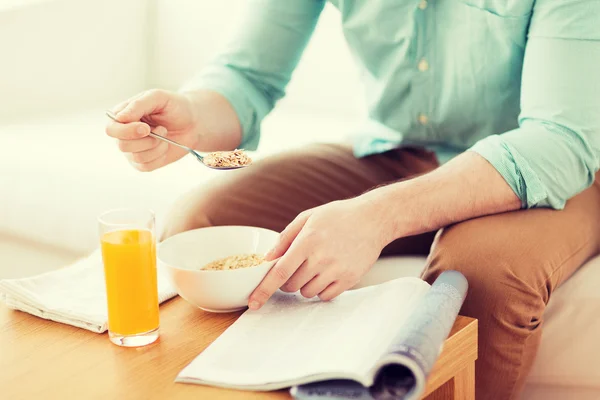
x: 127, y: 238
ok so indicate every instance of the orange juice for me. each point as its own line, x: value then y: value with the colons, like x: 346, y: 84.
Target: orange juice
x: 131, y: 288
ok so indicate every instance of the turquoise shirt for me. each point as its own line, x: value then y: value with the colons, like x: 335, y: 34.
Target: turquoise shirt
x: 517, y: 81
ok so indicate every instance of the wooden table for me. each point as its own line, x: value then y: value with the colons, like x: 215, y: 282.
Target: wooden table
x: 44, y: 359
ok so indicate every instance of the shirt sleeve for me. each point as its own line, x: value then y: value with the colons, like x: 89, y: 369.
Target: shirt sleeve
x: 555, y: 152
x: 256, y: 65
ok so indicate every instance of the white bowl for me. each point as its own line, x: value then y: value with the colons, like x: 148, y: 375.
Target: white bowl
x: 216, y: 291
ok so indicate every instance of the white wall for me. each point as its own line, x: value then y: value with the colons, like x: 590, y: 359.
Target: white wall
x: 189, y: 32
x: 68, y: 55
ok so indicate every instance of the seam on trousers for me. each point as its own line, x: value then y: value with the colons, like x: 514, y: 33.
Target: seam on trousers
x: 559, y: 267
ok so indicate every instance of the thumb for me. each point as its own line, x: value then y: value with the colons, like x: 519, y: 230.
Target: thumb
x: 147, y: 103
x: 286, y: 238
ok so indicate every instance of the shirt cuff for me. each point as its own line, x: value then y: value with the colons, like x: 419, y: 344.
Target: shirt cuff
x: 516, y: 171
x: 245, y: 99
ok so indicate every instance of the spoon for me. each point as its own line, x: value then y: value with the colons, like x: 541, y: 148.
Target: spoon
x: 193, y: 152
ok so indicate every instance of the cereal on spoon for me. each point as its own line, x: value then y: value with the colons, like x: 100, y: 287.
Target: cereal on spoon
x: 227, y: 159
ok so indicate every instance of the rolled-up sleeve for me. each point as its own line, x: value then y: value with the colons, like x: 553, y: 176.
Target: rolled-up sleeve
x: 555, y: 152
x: 256, y: 65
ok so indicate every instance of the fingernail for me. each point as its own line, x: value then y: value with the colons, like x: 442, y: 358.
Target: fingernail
x: 141, y: 129
x: 254, y: 305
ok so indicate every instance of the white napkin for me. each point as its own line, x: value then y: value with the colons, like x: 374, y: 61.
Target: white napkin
x: 74, y: 295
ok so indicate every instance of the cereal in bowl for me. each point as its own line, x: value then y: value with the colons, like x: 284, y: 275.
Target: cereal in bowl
x: 235, y: 262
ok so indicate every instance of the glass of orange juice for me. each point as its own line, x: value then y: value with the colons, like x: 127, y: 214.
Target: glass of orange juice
x: 129, y: 254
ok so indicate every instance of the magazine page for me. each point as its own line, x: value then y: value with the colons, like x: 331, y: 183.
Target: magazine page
x: 294, y: 340
x: 402, y: 371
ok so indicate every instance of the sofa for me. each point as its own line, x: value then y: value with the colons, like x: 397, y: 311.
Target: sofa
x: 58, y: 170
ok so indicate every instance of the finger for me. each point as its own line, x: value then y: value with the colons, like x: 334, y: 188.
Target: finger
x: 279, y: 274
x: 286, y: 238
x: 146, y: 104
x: 148, y: 156
x: 151, y: 166
x: 301, y: 277
x: 129, y: 131
x: 334, y: 290
x: 119, y: 107
x: 316, y: 285
x: 138, y: 145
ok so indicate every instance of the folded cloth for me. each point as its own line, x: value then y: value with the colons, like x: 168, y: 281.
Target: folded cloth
x: 74, y: 295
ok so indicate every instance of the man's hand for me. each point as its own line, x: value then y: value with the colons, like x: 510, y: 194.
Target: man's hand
x: 201, y: 120
x: 324, y: 251
x: 167, y: 114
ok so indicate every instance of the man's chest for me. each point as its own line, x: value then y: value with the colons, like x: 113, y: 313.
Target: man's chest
x: 434, y: 57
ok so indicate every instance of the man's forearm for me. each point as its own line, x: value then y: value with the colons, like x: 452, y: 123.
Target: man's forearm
x: 216, y: 122
x: 466, y: 187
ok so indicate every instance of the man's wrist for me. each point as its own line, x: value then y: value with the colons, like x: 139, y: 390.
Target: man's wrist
x: 194, y: 98
x: 391, y: 211
x: 216, y: 125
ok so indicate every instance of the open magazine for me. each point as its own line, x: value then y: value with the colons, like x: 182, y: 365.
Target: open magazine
x: 376, y: 342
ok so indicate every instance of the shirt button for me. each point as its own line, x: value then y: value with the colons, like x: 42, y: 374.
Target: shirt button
x: 423, y: 4
x: 423, y: 120
x: 423, y: 65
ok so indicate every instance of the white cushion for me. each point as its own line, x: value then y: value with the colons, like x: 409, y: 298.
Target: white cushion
x: 388, y: 268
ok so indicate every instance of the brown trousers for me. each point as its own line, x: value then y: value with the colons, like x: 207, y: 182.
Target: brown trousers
x: 513, y: 261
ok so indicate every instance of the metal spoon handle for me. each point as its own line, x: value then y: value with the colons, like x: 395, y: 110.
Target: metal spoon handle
x: 170, y: 141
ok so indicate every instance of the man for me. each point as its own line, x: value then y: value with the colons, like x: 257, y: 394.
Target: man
x: 484, y: 126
